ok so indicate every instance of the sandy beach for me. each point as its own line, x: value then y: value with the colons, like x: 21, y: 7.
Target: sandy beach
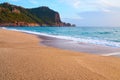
x: 22, y: 57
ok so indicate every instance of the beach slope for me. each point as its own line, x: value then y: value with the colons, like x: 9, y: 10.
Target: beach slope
x: 22, y: 57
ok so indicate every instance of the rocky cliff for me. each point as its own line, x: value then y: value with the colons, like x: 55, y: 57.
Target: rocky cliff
x: 12, y: 15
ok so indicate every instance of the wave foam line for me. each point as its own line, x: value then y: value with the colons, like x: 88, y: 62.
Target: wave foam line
x: 91, y: 41
x: 111, y: 54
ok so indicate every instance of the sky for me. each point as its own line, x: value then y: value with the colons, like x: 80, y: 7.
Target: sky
x: 79, y: 12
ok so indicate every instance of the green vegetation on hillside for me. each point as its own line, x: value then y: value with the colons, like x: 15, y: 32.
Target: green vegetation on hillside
x: 7, y: 14
x: 44, y: 13
x: 17, y: 16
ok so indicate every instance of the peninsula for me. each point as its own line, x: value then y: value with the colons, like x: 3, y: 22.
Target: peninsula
x: 12, y: 15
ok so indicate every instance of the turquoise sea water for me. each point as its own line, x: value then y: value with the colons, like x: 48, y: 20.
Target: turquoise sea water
x: 107, y: 36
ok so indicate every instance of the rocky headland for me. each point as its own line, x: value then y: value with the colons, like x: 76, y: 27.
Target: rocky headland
x: 12, y: 15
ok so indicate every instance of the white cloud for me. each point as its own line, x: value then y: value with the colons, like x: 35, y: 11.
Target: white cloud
x: 105, y: 5
x: 106, y: 10
x: 94, y: 12
x: 76, y: 4
x: 15, y: 0
x: 102, y: 5
x: 73, y: 3
x: 33, y: 1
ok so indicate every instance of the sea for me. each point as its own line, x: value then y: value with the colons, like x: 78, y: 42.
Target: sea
x: 105, y: 36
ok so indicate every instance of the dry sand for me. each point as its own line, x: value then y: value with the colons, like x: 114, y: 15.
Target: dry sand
x: 23, y: 58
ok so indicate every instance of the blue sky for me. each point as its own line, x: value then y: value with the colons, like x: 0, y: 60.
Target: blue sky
x: 79, y: 12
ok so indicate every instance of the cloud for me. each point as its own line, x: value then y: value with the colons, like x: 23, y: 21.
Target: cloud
x: 33, y: 1
x: 73, y: 3
x: 15, y: 0
x: 106, y: 5
x: 85, y: 5
x: 76, y: 4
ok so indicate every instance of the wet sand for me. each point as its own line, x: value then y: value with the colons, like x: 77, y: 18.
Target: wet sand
x: 79, y: 47
x: 23, y: 58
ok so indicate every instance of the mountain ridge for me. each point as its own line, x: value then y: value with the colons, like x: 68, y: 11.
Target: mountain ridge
x: 12, y: 15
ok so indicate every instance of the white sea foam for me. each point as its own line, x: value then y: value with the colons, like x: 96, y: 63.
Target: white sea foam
x: 90, y: 40
x: 3, y: 28
x: 111, y: 54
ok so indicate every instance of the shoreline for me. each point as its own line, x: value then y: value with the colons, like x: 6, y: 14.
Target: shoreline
x: 22, y: 57
x: 75, y: 46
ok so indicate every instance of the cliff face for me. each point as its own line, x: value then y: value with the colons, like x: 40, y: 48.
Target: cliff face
x: 57, y: 20
x: 12, y: 15
x: 48, y: 16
